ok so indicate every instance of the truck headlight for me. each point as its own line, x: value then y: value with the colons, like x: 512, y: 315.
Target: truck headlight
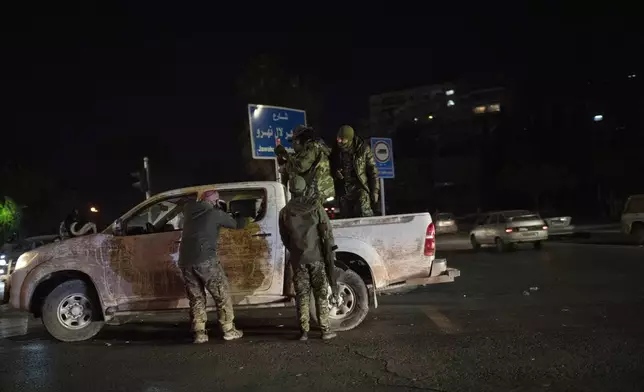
x: 25, y: 259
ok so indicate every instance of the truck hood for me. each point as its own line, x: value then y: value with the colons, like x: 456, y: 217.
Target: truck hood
x: 67, y: 248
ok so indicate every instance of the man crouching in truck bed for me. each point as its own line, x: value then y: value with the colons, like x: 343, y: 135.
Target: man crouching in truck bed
x: 200, y: 266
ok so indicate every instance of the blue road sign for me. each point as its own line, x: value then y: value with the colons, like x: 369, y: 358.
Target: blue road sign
x: 383, y: 152
x: 269, y: 123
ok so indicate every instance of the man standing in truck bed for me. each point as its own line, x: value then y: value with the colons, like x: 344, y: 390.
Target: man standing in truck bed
x: 305, y: 229
x: 354, y: 167
x: 200, y: 266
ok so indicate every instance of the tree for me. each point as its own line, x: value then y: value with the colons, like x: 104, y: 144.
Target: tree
x: 45, y: 201
x: 266, y: 81
x: 10, y: 218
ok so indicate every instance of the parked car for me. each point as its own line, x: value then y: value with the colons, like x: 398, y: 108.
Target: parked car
x: 504, y: 229
x: 79, y: 284
x: 633, y: 217
x: 445, y: 223
x: 559, y: 225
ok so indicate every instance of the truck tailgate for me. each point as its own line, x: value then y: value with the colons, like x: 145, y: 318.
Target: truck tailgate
x: 398, y: 240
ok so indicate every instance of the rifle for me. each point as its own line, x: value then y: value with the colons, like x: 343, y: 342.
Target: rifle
x: 328, y: 252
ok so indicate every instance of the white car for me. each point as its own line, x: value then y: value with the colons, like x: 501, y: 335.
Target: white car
x: 446, y: 223
x: 633, y: 217
x: 504, y: 229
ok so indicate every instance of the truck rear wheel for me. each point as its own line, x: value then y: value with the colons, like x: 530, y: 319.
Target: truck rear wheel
x: 71, y: 312
x: 354, y: 304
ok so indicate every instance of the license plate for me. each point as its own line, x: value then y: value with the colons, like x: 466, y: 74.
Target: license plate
x: 529, y: 234
x: 523, y: 229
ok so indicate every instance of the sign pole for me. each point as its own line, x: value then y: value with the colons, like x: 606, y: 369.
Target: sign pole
x: 382, y: 196
x: 278, y: 174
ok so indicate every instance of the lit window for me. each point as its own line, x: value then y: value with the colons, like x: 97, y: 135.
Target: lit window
x: 479, y: 109
x: 450, y: 103
x: 598, y: 117
x: 495, y: 107
x: 449, y: 92
x: 430, y: 117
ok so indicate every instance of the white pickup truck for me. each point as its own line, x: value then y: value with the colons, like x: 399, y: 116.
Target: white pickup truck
x: 78, y: 285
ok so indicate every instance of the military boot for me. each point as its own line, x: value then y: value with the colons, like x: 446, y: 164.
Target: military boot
x: 200, y: 337
x: 327, y: 335
x: 233, y: 334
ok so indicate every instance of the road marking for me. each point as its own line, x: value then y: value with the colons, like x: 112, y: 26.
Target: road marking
x: 441, y: 321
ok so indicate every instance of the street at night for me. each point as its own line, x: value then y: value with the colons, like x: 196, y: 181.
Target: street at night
x: 449, y: 204
x: 566, y: 318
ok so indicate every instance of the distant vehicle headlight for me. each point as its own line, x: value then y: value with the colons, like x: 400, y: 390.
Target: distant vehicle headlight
x: 25, y: 259
x: 3, y: 262
x: 2, y: 271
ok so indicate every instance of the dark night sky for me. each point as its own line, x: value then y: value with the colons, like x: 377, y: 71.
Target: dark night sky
x: 86, y: 100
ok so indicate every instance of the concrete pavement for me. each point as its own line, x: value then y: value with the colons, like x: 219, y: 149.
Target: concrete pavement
x: 566, y: 318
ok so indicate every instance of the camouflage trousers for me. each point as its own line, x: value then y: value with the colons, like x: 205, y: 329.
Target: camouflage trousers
x: 356, y: 205
x: 307, y: 278
x: 208, y: 276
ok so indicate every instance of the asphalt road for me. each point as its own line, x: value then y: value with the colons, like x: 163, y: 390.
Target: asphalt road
x: 566, y: 318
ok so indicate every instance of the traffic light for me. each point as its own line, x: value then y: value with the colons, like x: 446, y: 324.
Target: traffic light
x: 141, y: 181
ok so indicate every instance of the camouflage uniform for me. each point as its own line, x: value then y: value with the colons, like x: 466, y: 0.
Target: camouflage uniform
x: 310, y: 161
x: 201, y: 268
x: 210, y: 276
x: 303, y: 226
x: 312, y: 277
x: 354, y: 166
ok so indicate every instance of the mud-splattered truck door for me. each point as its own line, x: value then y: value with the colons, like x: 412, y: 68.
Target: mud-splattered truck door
x: 147, y: 263
x: 254, y: 257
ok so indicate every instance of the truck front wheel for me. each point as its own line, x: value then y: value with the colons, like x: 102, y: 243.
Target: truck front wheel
x: 71, y: 312
x: 354, y: 302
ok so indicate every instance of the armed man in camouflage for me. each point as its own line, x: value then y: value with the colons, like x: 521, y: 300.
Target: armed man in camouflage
x: 354, y: 168
x: 310, y: 161
x: 200, y: 266
x: 306, y: 233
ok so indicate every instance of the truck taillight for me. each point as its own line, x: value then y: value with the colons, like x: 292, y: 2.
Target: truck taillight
x: 430, y: 240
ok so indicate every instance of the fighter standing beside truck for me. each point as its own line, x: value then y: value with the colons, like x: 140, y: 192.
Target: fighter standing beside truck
x: 305, y: 228
x: 200, y: 266
x: 354, y: 168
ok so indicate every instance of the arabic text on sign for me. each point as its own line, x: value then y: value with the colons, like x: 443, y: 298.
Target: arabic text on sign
x: 264, y: 134
x: 280, y: 116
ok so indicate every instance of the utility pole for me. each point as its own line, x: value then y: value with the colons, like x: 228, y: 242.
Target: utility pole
x: 146, y: 167
x: 142, y: 178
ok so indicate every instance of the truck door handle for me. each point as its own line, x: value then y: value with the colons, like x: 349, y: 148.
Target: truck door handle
x: 261, y: 235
